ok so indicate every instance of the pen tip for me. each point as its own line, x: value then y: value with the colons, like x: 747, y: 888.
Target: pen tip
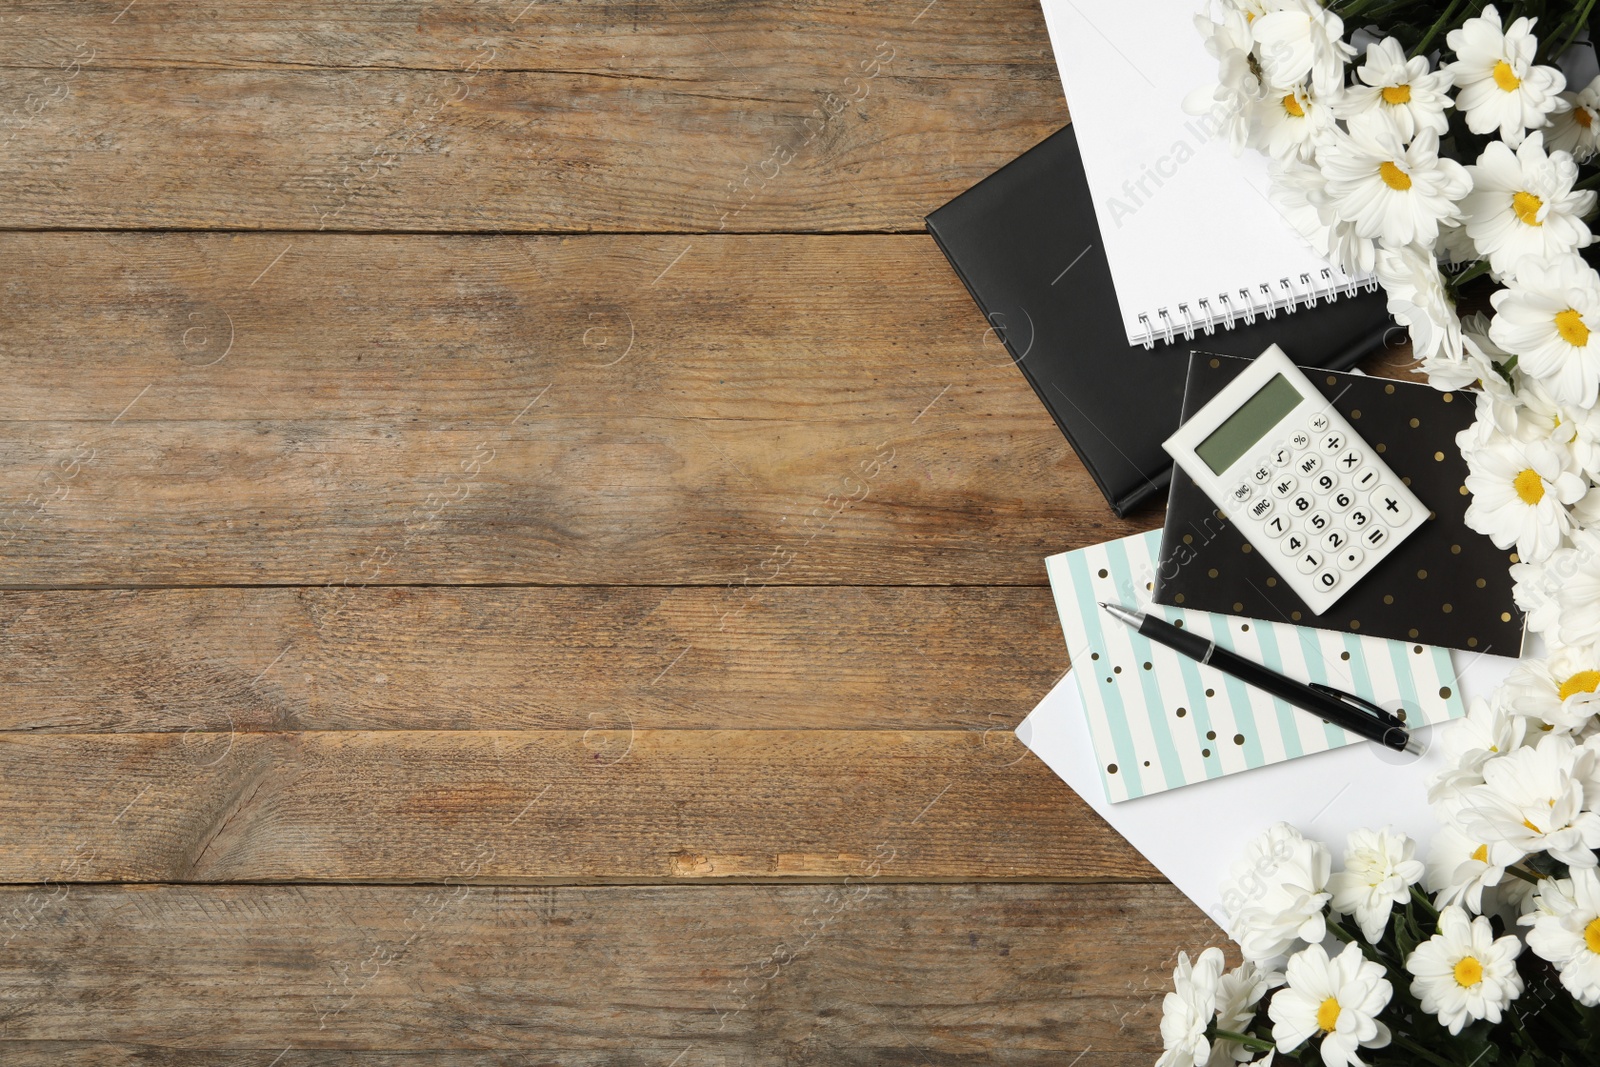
x: 1414, y: 747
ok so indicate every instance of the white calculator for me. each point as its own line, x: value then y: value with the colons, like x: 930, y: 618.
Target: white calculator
x: 1310, y: 495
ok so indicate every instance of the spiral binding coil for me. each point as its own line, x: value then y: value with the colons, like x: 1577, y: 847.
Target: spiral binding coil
x: 1264, y: 300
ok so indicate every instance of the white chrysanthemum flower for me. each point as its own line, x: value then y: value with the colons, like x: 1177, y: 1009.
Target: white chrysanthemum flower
x: 1458, y: 869
x: 1558, y: 690
x: 1485, y: 731
x: 1566, y: 932
x: 1397, y: 94
x: 1239, y: 994
x: 1288, y: 124
x: 1187, y: 1010
x: 1299, y: 191
x: 1561, y: 595
x: 1549, y: 315
x: 1577, y: 130
x: 1454, y: 246
x: 1297, y: 39
x: 1396, y: 194
x: 1417, y: 299
x: 1522, y: 204
x: 1501, y: 88
x: 1471, y: 364
x: 1576, y: 428
x: 1338, y: 998
x: 1237, y: 88
x: 1464, y: 973
x: 1379, y: 870
x: 1275, y: 893
x: 1532, y: 800
x: 1520, y: 492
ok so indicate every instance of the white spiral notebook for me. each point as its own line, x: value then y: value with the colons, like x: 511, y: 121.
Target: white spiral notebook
x: 1193, y: 240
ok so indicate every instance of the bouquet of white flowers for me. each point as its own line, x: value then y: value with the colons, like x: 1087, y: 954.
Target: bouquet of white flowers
x: 1437, y: 145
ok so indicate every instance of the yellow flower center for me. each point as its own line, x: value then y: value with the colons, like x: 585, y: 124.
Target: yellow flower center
x: 1572, y: 328
x: 1481, y: 853
x: 1397, y: 94
x: 1527, y: 206
x: 1505, y: 77
x: 1328, y: 1010
x: 1292, y: 106
x: 1591, y: 935
x: 1393, y: 176
x: 1529, y: 486
x: 1583, y: 117
x: 1469, y: 972
x: 1582, y: 682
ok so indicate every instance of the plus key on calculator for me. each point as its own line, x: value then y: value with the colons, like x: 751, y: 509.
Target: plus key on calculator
x: 1310, y: 495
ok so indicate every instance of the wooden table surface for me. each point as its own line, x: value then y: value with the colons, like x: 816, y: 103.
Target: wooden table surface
x: 518, y: 549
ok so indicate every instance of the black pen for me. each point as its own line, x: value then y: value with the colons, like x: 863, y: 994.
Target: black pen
x: 1344, y: 710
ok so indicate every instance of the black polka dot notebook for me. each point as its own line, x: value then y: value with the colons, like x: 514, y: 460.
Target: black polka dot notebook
x: 1444, y: 585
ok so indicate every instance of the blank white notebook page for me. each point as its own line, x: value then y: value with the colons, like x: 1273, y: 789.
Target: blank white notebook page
x: 1187, y: 225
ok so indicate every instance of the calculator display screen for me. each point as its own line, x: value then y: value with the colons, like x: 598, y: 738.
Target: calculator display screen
x: 1241, y: 430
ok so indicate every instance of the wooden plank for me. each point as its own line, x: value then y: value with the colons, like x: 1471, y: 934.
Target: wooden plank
x: 560, y: 117
x: 601, y: 805
x: 454, y: 975
x: 498, y: 659
x: 467, y: 410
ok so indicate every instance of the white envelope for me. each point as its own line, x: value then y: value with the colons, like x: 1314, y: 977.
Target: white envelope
x: 1193, y: 834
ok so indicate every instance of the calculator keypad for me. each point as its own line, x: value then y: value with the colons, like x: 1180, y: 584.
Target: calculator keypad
x: 1328, y: 506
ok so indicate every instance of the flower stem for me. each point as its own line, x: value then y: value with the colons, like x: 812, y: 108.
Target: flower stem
x: 1477, y: 270
x: 1433, y: 31
x: 1417, y: 1050
x: 1526, y: 876
x: 1260, y: 1044
x: 1572, y: 32
x: 1427, y: 905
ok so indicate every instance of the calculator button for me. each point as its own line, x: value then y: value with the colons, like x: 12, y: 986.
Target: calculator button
x: 1375, y: 537
x: 1334, y: 540
x: 1326, y: 579
x: 1359, y: 518
x: 1325, y: 483
x: 1285, y: 485
x: 1350, y: 558
x: 1387, y: 502
x: 1261, y: 508
x: 1332, y: 442
x: 1293, y: 544
x: 1241, y: 492
x: 1318, y: 521
x: 1301, y: 504
x: 1261, y: 474
x: 1341, y: 501
x: 1276, y: 526
x: 1308, y: 562
x: 1281, y: 456
x: 1301, y: 439
x: 1308, y: 463
x: 1349, y: 461
x: 1319, y: 422
x: 1365, y: 479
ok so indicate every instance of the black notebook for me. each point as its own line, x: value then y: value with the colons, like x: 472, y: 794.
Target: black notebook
x: 1444, y: 585
x: 1026, y: 245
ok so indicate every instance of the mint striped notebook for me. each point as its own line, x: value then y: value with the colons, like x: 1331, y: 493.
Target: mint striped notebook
x: 1159, y: 720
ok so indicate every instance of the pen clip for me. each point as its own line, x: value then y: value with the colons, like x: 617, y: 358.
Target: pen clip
x: 1386, y: 718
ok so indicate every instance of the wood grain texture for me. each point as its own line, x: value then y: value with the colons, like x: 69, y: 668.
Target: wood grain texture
x: 463, y: 116
x: 607, y: 804
x: 499, y: 659
x: 469, y: 410
x: 455, y: 975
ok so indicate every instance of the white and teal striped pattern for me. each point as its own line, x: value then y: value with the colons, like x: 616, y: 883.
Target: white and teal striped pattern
x: 1150, y: 715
